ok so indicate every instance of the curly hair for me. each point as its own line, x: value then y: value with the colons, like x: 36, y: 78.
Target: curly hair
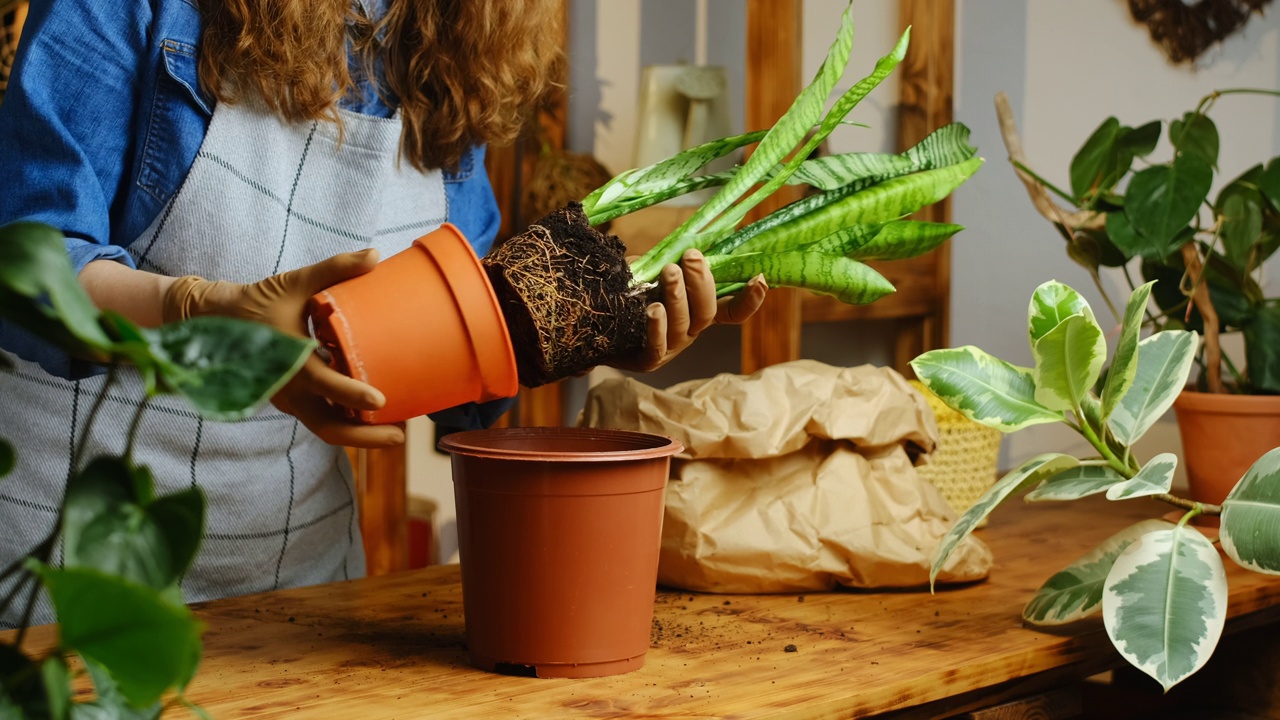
x: 462, y: 72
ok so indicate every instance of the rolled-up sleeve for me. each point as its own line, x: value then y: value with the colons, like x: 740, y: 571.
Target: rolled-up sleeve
x: 66, y: 121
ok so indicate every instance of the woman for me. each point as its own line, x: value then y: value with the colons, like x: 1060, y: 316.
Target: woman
x: 188, y: 149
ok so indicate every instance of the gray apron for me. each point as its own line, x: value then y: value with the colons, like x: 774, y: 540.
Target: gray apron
x: 263, y: 197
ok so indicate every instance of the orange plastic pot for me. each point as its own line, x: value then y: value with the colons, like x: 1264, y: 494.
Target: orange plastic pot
x: 559, y: 530
x: 423, y: 327
x: 1222, y: 437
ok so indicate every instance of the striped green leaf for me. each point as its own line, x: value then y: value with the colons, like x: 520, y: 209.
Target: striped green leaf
x: 1069, y: 361
x: 948, y: 145
x: 849, y: 280
x: 1155, y: 478
x: 1076, y: 483
x: 903, y: 239
x: 1124, y: 363
x: 1052, y: 303
x: 1026, y: 475
x: 1075, y: 592
x: 1165, y: 602
x: 983, y: 388
x: 1164, y: 360
x: 1251, y: 517
x: 841, y: 242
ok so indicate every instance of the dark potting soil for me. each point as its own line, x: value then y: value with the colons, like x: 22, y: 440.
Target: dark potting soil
x: 565, y: 291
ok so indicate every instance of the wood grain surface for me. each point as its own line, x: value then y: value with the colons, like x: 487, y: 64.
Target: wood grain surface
x: 394, y: 646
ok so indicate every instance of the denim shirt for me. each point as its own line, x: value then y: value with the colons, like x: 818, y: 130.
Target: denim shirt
x: 101, y: 123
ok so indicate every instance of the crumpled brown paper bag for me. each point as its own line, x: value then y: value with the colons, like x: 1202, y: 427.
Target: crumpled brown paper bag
x: 797, y: 478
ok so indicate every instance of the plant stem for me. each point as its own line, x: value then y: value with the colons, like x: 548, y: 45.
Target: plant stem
x: 15, y: 592
x: 133, y: 427
x: 25, y: 622
x: 1204, y: 508
x: 1241, y: 381
x: 93, y: 416
x: 1115, y: 463
x: 1097, y: 282
x: 1060, y: 193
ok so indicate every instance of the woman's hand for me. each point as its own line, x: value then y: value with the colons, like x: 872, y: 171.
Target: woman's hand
x: 688, y: 307
x: 318, y: 394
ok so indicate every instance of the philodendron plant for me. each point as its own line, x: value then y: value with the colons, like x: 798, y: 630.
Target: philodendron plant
x: 124, y: 549
x: 1160, y: 586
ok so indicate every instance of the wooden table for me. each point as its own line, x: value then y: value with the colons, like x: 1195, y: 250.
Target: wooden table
x: 393, y: 646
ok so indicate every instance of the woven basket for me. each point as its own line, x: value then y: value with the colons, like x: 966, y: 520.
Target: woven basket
x: 964, y: 465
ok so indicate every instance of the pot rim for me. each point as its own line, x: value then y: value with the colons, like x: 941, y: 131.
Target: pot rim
x: 1190, y: 399
x: 644, y: 446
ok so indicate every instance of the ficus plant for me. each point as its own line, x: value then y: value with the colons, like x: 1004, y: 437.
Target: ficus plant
x: 571, y: 300
x: 124, y: 549
x: 1160, y: 586
x: 1127, y: 202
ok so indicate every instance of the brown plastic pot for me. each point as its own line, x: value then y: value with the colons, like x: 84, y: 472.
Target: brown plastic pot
x: 1222, y: 437
x: 559, y: 530
x: 423, y: 327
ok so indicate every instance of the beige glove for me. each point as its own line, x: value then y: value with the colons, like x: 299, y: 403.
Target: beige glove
x: 688, y: 307
x: 318, y: 393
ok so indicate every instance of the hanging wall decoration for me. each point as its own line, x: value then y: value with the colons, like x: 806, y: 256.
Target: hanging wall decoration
x: 1186, y: 28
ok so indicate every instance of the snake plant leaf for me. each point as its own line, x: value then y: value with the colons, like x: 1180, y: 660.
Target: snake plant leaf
x: 841, y: 242
x: 148, y: 640
x: 40, y: 293
x: 1124, y: 362
x: 1262, y: 349
x: 8, y: 458
x: 1239, y: 210
x: 1164, y: 360
x: 1165, y: 602
x: 1069, y: 361
x: 902, y: 239
x: 1251, y: 517
x: 849, y: 280
x: 1196, y: 135
x: 1163, y: 199
x: 1075, y: 592
x: 1052, y: 303
x: 948, y: 145
x: 1155, y: 478
x: 229, y: 366
x: 983, y: 388
x: 1030, y: 473
x: 1075, y: 483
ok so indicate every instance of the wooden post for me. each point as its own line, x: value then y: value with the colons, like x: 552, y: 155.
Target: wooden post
x: 381, y: 486
x: 772, y: 335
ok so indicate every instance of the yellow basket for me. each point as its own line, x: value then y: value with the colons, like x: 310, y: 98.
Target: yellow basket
x: 964, y: 465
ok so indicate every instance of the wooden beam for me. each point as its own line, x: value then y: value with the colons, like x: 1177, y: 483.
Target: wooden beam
x: 772, y: 335
x: 381, y: 485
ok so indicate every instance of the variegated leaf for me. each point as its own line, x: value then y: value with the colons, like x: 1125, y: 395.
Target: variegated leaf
x: 1155, y: 478
x: 1164, y: 359
x: 1076, y: 483
x: 1251, y: 517
x: 1026, y: 475
x: 1123, y: 363
x: 1165, y: 602
x: 1069, y: 361
x: 983, y: 388
x: 1052, y: 303
x: 1075, y: 592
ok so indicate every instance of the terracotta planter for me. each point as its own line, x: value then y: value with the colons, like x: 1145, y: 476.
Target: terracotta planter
x: 1222, y: 436
x: 558, y: 530
x: 424, y: 327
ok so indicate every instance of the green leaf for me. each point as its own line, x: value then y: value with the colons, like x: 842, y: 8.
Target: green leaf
x: 845, y: 241
x: 1251, y: 517
x: 849, y: 280
x: 23, y: 693
x: 57, y: 686
x: 1163, y: 199
x: 1124, y: 362
x: 948, y: 145
x: 1051, y: 304
x: 147, y: 642
x: 902, y: 239
x: 1262, y: 349
x: 1069, y: 361
x: 1076, y: 483
x: 110, y: 704
x: 1026, y: 475
x: 225, y: 367
x: 1269, y: 183
x: 1165, y: 602
x: 1195, y: 135
x: 1127, y: 240
x: 658, y: 176
x: 180, y: 519
x: 1093, y: 162
x: 1155, y: 478
x: 1239, y: 210
x: 1075, y: 592
x: 1140, y: 141
x: 1164, y: 360
x: 39, y: 290
x: 8, y: 459
x: 983, y: 388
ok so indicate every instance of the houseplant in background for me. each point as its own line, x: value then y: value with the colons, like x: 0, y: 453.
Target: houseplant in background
x: 1160, y: 587
x: 1123, y: 205
x: 124, y: 549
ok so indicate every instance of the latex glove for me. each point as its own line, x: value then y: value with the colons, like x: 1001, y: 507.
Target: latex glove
x: 318, y: 394
x: 689, y: 306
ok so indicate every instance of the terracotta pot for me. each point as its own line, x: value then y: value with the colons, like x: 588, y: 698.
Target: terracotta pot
x: 558, y: 530
x: 423, y: 327
x: 1222, y: 436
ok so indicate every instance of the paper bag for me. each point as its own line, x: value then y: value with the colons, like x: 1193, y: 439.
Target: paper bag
x: 800, y: 477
